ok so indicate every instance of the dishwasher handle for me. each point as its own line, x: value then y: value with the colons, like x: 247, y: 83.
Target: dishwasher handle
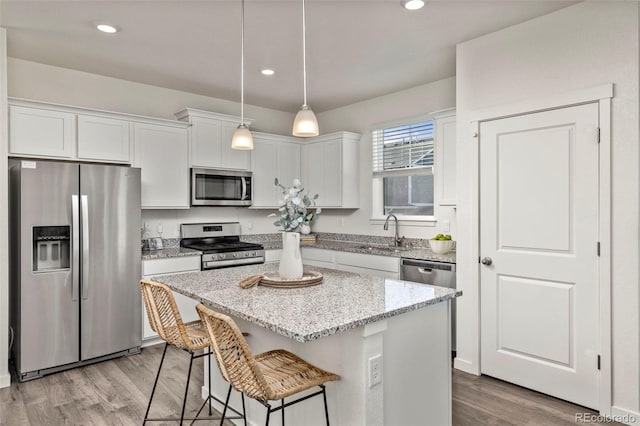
x: 425, y: 271
x: 425, y: 265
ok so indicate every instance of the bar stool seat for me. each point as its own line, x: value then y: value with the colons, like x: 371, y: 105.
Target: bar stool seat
x: 269, y: 376
x: 165, y: 319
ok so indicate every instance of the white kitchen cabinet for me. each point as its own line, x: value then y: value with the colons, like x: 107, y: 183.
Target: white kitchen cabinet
x: 273, y: 156
x: 104, y: 139
x: 162, y: 154
x: 445, y: 146
x: 41, y: 132
x: 368, y: 264
x: 330, y: 167
x: 272, y: 256
x: 318, y: 257
x: 186, y: 305
x: 210, y: 140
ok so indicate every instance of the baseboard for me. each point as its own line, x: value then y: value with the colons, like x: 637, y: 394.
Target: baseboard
x: 151, y: 342
x: 5, y: 380
x: 624, y: 416
x: 466, y: 366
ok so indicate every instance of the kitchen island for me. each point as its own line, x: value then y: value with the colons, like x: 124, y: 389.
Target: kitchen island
x: 343, y: 325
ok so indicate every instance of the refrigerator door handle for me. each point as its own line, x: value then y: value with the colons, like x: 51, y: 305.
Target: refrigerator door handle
x: 75, y: 233
x: 85, y: 246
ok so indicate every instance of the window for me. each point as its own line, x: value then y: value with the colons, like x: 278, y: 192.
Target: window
x: 403, y: 158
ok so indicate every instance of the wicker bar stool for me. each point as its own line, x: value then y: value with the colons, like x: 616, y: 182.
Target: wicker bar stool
x: 165, y: 320
x: 265, y: 377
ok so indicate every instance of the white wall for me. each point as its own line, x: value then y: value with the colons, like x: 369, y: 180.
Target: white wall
x: 582, y: 46
x: 31, y: 80
x: 362, y: 117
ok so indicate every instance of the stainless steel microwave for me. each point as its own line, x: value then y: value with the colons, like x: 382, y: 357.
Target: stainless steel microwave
x: 213, y: 187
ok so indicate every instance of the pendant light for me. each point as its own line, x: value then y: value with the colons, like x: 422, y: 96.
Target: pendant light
x: 242, y: 138
x: 305, y: 124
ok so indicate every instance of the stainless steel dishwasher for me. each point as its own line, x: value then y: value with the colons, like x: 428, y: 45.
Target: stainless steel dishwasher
x: 436, y: 273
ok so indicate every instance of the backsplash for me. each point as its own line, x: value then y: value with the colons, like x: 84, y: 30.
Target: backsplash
x: 149, y: 243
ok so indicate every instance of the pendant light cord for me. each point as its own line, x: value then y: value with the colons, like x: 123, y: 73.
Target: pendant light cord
x: 242, y: 71
x: 304, y: 53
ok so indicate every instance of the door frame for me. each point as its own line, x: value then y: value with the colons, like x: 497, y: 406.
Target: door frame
x: 601, y: 95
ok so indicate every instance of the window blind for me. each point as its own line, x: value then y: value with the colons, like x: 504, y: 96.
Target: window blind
x: 403, y: 149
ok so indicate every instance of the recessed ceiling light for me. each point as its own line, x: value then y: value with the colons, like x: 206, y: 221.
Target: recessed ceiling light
x: 412, y: 4
x: 106, y: 28
x: 267, y: 71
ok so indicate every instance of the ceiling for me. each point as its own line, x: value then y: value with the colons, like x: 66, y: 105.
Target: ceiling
x: 356, y: 49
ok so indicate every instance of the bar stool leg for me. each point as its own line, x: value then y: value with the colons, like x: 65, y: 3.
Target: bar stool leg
x: 226, y: 404
x: 244, y: 411
x: 282, y: 404
x: 186, y: 390
x: 210, y: 390
x: 326, y: 409
x: 266, y: 423
x: 155, y: 383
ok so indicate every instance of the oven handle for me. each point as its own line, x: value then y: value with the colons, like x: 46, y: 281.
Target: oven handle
x: 244, y: 188
x: 213, y: 264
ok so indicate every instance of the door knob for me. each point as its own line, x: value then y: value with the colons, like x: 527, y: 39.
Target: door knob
x: 486, y: 261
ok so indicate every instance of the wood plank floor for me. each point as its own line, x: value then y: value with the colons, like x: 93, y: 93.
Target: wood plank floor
x: 116, y: 393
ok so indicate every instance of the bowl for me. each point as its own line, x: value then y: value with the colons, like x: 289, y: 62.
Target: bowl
x: 441, y: 246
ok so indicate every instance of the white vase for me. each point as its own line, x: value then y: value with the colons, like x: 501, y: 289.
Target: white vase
x: 290, y: 261
x: 305, y: 229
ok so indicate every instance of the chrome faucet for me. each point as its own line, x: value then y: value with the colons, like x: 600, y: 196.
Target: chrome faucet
x: 397, y: 241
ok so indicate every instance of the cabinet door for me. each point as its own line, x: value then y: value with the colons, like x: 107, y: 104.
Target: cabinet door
x: 232, y: 158
x: 105, y: 139
x: 288, y: 165
x: 446, y: 161
x: 161, y: 153
x: 205, y: 142
x: 264, y: 166
x: 322, y: 162
x: 41, y: 132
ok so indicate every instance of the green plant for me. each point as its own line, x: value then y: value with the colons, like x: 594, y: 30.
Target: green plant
x: 297, y: 207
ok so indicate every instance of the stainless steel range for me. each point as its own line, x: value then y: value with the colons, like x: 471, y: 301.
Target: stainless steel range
x: 220, y: 244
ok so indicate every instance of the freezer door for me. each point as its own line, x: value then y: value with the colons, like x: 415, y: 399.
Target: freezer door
x: 43, y: 275
x: 110, y: 266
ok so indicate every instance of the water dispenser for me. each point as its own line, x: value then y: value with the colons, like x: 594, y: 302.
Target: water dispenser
x: 51, y: 248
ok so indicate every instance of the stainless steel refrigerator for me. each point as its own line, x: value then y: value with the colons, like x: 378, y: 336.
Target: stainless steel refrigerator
x: 74, y: 264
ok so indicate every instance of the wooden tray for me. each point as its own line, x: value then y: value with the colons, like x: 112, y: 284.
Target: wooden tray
x: 309, y: 278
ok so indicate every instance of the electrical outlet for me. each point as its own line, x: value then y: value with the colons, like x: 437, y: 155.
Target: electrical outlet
x: 375, y: 370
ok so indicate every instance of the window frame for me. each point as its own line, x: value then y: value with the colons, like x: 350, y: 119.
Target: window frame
x: 377, y: 191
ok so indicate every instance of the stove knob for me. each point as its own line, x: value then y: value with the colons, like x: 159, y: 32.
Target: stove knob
x: 214, y: 257
x: 246, y: 254
x: 235, y: 254
x: 254, y: 254
x: 222, y: 256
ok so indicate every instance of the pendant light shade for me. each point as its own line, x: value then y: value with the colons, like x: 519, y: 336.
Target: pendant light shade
x: 305, y: 124
x: 242, y: 138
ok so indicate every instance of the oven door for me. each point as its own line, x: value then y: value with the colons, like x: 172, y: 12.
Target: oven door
x: 211, y: 187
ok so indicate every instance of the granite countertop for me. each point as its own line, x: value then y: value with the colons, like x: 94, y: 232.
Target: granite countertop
x: 169, y: 252
x: 420, y: 253
x: 343, y: 301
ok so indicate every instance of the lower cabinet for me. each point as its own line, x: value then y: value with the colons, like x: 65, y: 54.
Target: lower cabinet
x: 187, y: 306
x: 367, y: 264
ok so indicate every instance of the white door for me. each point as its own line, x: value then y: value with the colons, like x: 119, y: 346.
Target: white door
x: 539, y: 227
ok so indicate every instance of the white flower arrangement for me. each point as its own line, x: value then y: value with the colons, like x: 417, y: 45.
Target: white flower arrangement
x: 296, y: 210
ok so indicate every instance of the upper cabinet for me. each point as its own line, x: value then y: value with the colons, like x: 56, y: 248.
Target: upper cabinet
x: 104, y: 139
x: 273, y: 157
x: 445, y: 145
x: 331, y: 169
x: 41, y: 132
x: 210, y: 140
x: 161, y: 151
x: 38, y: 129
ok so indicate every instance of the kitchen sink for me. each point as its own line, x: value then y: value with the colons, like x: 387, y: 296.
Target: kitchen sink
x: 389, y: 249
